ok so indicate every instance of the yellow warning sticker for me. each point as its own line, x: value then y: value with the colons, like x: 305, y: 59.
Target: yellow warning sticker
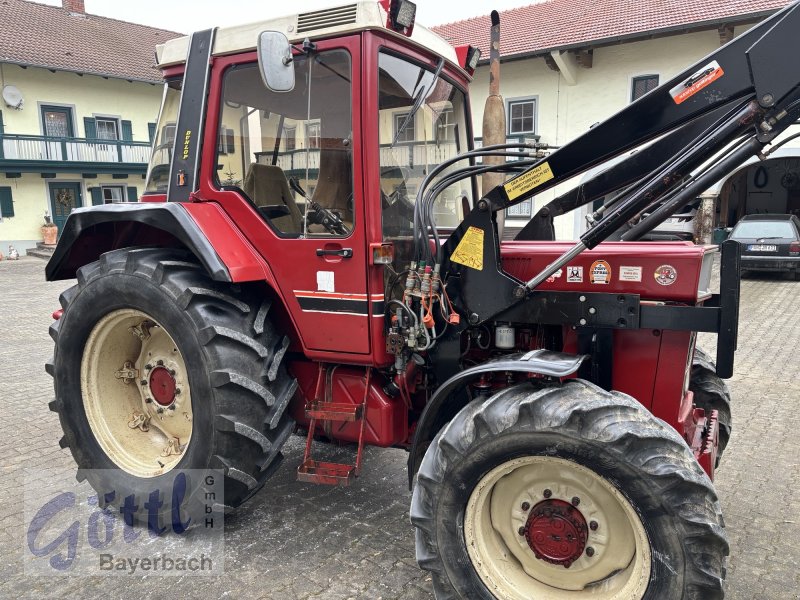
x: 469, y: 251
x: 528, y: 181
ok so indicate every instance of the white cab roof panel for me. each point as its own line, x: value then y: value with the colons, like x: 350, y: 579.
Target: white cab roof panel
x: 327, y: 22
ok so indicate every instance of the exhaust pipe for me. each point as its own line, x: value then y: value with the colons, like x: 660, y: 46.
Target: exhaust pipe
x: 494, y: 120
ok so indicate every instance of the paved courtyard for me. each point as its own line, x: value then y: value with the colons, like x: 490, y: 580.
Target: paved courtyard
x: 297, y: 541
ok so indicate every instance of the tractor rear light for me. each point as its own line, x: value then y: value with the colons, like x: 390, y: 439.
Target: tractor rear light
x: 794, y: 248
x: 382, y: 254
x: 468, y: 57
x: 401, y: 15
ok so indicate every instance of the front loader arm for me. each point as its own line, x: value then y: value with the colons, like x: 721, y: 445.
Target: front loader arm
x: 753, y: 67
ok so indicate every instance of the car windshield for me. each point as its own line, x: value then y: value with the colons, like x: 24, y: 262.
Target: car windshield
x: 763, y: 229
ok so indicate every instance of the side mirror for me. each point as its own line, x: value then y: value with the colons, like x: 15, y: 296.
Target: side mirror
x: 275, y: 61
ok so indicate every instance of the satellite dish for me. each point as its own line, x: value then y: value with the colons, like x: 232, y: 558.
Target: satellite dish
x: 12, y: 97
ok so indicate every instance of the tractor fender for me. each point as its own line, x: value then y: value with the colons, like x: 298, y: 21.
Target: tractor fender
x: 202, y: 228
x: 447, y: 399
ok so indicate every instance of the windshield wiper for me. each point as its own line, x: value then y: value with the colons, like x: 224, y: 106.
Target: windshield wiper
x: 418, y: 100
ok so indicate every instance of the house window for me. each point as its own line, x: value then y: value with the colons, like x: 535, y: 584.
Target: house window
x: 523, y: 209
x: 313, y: 132
x: 6, y: 203
x: 643, y: 84
x: 107, y: 129
x: 113, y: 194
x: 522, y: 117
x: 57, y: 121
x: 227, y: 144
x: 290, y: 139
x: 168, y: 135
x: 445, y: 126
x: 406, y: 134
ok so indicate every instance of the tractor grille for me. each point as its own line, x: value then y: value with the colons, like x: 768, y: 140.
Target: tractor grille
x: 331, y: 17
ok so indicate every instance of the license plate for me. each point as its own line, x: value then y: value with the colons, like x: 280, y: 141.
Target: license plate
x: 762, y: 248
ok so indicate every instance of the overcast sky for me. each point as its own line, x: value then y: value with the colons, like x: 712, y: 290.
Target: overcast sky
x: 192, y: 15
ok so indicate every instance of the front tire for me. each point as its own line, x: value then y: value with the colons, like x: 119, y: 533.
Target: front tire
x: 712, y: 393
x: 209, y: 392
x: 632, y: 513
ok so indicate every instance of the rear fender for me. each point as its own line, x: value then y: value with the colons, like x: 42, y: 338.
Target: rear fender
x: 451, y: 396
x: 202, y: 228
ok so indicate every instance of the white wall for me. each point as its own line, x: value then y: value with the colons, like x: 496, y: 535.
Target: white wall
x: 566, y: 111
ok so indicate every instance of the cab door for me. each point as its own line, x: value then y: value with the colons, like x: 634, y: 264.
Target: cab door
x: 294, y: 157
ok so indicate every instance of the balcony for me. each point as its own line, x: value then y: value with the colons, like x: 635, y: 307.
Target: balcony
x: 40, y: 154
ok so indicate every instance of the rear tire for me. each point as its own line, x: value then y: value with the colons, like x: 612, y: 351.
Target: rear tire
x: 712, y: 393
x: 233, y: 361
x: 632, y: 464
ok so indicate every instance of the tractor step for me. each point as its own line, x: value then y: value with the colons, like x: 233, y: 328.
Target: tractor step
x: 326, y: 473
x: 331, y: 411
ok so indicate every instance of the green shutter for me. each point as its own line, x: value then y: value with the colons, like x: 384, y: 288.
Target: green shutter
x: 6, y: 203
x: 151, y: 131
x: 133, y: 196
x: 97, y: 196
x: 90, y: 127
x: 2, y: 130
x: 127, y: 131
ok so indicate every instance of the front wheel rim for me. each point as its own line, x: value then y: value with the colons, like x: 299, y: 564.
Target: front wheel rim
x: 601, y: 551
x: 136, y: 393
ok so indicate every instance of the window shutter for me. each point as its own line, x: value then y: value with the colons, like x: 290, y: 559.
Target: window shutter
x: 90, y: 126
x: 97, y: 196
x: 151, y: 131
x: 127, y: 131
x: 6, y: 203
x: 133, y: 196
x: 230, y: 141
x: 2, y: 129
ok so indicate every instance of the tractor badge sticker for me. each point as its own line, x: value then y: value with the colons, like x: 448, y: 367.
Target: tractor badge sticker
x: 666, y: 275
x: 574, y: 274
x: 554, y: 276
x: 600, y: 273
x: 699, y: 80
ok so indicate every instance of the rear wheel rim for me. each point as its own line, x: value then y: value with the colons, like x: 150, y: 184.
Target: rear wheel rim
x: 136, y: 393
x: 513, y: 516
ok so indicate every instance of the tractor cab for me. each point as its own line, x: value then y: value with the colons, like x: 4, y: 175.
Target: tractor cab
x: 325, y: 169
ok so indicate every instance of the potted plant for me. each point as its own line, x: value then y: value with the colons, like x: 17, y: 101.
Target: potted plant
x: 49, y: 230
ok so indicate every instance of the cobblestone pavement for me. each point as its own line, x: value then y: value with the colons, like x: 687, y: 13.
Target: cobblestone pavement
x: 297, y: 540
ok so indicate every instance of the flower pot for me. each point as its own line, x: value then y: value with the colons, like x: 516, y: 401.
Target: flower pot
x: 50, y: 234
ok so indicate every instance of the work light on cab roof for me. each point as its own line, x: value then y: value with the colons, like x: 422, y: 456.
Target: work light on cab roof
x: 400, y: 15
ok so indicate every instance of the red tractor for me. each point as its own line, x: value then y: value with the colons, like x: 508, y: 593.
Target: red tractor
x: 312, y: 252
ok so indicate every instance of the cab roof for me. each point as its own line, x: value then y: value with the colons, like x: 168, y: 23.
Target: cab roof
x: 339, y: 20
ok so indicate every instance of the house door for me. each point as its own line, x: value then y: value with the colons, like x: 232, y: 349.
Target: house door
x: 63, y: 198
x: 56, y: 123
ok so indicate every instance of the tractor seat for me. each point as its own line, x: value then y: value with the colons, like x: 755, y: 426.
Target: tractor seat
x: 267, y: 187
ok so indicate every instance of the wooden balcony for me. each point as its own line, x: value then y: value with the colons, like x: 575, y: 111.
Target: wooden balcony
x: 42, y: 154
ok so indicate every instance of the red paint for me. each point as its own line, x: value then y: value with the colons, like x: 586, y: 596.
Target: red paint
x: 162, y: 386
x: 153, y: 198
x: 386, y: 422
x: 556, y: 532
x: 57, y: 314
x: 239, y: 256
x: 525, y: 259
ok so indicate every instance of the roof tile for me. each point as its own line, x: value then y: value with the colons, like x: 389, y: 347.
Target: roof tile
x: 49, y: 36
x: 552, y: 24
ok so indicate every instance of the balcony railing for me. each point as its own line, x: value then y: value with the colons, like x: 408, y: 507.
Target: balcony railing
x: 44, y: 148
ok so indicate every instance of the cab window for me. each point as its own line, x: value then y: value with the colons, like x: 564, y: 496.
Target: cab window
x: 291, y: 153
